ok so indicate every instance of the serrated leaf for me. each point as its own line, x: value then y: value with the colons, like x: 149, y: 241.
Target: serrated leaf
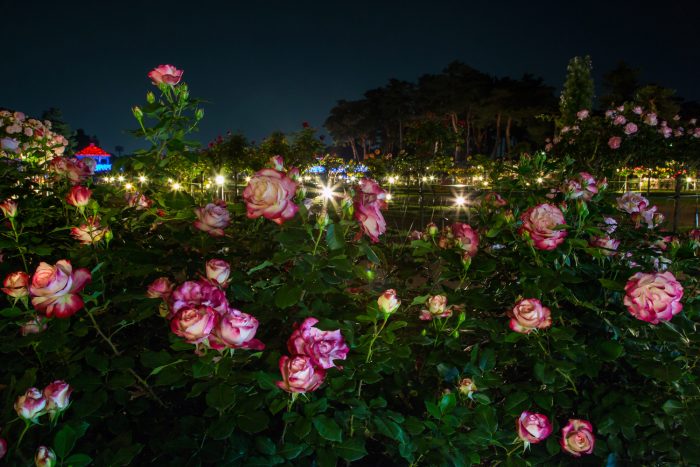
x: 328, y: 428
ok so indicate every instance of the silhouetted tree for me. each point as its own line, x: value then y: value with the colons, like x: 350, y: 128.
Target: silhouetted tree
x: 578, y: 91
x: 620, y: 85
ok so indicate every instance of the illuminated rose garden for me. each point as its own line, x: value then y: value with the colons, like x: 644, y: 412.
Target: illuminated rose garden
x: 150, y: 318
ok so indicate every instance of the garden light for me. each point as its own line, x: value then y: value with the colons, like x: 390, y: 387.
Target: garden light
x: 176, y: 186
x: 128, y: 186
x: 388, y: 196
x: 247, y: 179
x: 219, y: 179
x: 142, y: 179
x: 540, y: 179
x: 120, y: 178
x: 460, y: 201
x: 327, y: 192
x: 392, y: 180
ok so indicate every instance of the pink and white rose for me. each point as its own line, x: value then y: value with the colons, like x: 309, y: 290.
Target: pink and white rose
x: 31, y: 405
x: 235, y: 330
x: 630, y: 128
x: 466, y: 238
x: 34, y: 326
x: 370, y: 200
x: 529, y: 314
x: 194, y: 324
x: 89, y: 233
x: 582, y: 114
x: 577, y: 437
x: 55, y: 289
x: 270, y: 194
x: 193, y: 294
x: 619, y: 120
x: 218, y: 271
x: 388, y: 302
x: 73, y: 169
x: 614, y: 142
x: 165, y: 74
x: 540, y: 222
x: 15, y: 284
x: 322, y: 347
x: 653, y: 297
x: 9, y: 208
x: 651, y: 119
x: 160, y: 288
x: 79, y: 196
x: 44, y: 457
x: 437, y: 308
x: 57, y: 396
x: 299, y: 374
x: 607, y: 244
x: 533, y: 427
x: 213, y: 218
x: 632, y: 203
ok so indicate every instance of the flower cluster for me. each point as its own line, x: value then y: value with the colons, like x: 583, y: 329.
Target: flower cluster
x: 576, y: 437
x: 53, y: 400
x: 270, y: 193
x: 72, y: 169
x: 460, y: 236
x: 626, y: 121
x: 637, y: 206
x: 313, y: 352
x: 22, y: 137
x: 90, y: 232
x: 200, y: 313
x: 55, y: 290
x: 369, y: 201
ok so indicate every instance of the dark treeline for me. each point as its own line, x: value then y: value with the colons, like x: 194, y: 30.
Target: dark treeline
x: 460, y: 111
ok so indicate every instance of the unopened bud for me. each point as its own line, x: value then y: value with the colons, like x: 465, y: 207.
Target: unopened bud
x: 150, y: 97
x: 138, y: 113
x: 199, y: 114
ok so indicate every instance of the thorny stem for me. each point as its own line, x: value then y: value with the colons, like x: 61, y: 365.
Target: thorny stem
x: 374, y: 338
x: 318, y: 240
x: 117, y: 353
x: 290, y: 403
x: 19, y: 248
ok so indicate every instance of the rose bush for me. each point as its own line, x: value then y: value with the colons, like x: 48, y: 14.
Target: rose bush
x: 223, y: 344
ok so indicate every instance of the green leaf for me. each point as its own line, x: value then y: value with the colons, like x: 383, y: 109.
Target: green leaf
x: 421, y: 299
x: 125, y: 455
x: 221, y: 428
x: 260, y: 266
x: 78, y: 460
x: 11, y: 312
x: 288, y: 295
x: 265, y: 445
x: 610, y: 350
x: 221, y: 397
x: 369, y: 253
x: 64, y: 441
x: 673, y: 407
x: 351, y: 450
x: 334, y: 237
x: 290, y: 450
x: 326, y: 458
x: 254, y: 422
x: 328, y: 428
x: 612, y: 285
x: 433, y: 410
x: 488, y: 360
x: 447, y: 403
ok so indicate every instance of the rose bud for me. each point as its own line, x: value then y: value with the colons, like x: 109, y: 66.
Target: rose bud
x: 388, y: 302
x: 33, y: 326
x: 44, y: 457
x: 57, y: 396
x: 323, y: 347
x: 31, y: 405
x: 277, y: 163
x: 299, y: 374
x: 15, y: 284
x: 235, y: 330
x: 533, y: 427
x: 218, y: 271
x: 607, y: 245
x: 653, y: 297
x: 9, y: 208
x: 194, y: 324
x: 577, y: 437
x: 467, y: 387
x: 160, y: 288
x: 529, y: 314
x: 432, y: 229
x: 213, y: 218
x: 79, y: 196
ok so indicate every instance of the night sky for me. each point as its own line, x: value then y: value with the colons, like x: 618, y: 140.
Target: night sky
x: 265, y: 66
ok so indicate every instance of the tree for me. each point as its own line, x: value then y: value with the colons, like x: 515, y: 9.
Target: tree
x: 620, y: 85
x: 119, y: 150
x: 58, y: 124
x: 578, y: 90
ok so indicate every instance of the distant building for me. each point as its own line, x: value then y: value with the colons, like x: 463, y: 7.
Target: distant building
x: 101, y: 157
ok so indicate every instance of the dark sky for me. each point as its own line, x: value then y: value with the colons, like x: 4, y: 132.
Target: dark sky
x: 270, y: 65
